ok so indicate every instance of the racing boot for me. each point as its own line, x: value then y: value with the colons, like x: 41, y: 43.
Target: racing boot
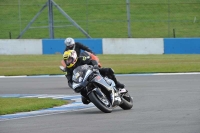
x: 120, y: 87
x: 117, y: 83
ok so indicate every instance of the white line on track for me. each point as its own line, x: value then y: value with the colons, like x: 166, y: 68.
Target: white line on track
x: 142, y: 74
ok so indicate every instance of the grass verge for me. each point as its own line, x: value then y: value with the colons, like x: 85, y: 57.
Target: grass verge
x: 15, y: 105
x: 12, y: 65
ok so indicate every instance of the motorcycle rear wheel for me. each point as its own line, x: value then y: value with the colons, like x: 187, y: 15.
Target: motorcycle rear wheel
x: 127, y: 101
x: 99, y: 103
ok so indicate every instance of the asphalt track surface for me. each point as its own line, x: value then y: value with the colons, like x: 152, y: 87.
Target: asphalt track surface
x: 162, y: 104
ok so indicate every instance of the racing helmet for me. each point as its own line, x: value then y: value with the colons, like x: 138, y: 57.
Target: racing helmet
x: 70, y: 58
x: 69, y: 42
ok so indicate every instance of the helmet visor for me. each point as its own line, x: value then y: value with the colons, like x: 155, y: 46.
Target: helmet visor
x: 69, y: 61
x: 70, y: 47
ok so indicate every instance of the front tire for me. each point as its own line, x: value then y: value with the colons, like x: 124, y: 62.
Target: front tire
x: 99, y: 103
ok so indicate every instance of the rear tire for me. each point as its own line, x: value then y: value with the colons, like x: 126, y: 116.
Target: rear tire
x: 99, y: 104
x: 127, y: 101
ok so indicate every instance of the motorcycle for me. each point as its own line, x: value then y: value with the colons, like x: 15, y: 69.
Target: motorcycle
x: 99, y: 90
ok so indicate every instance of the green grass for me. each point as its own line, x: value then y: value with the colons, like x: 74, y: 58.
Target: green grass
x: 128, y: 64
x: 103, y: 19
x: 15, y: 105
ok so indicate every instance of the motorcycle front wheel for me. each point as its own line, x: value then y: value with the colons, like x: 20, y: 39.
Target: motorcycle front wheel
x: 102, y: 103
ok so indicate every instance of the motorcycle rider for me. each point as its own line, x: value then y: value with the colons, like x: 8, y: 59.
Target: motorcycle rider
x: 77, y: 46
x: 72, y: 45
x: 72, y: 61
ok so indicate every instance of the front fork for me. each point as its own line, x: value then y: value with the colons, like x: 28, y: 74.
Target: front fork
x: 114, y: 97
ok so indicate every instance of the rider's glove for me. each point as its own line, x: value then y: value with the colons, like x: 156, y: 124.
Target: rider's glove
x: 96, y: 67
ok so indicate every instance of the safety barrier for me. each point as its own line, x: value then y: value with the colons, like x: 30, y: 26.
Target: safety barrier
x: 104, y: 46
x: 182, y: 46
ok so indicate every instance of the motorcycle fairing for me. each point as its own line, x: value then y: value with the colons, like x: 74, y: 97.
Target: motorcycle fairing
x: 100, y: 81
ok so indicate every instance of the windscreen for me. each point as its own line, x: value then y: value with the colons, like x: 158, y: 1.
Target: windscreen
x: 79, y: 73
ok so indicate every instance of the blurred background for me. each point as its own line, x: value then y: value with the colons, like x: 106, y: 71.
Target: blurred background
x: 99, y: 19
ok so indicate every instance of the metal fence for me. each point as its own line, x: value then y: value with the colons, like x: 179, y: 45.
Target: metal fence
x: 99, y: 18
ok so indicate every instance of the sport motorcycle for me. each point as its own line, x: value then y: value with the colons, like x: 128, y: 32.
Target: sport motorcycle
x: 99, y: 90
